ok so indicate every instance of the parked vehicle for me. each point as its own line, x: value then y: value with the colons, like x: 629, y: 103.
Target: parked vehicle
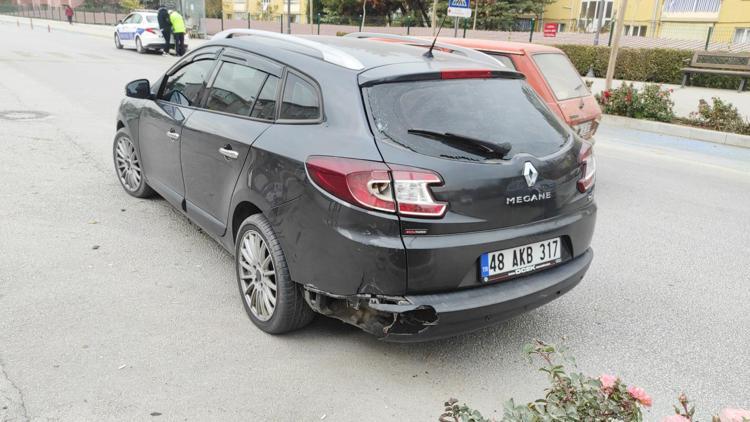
x: 547, y: 69
x: 365, y: 181
x: 140, y: 30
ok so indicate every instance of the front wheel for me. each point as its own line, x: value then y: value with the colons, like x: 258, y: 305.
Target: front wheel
x: 118, y: 43
x: 139, y: 46
x: 128, y: 166
x: 271, y: 299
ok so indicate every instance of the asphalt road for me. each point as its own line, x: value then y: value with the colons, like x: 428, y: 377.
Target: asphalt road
x: 113, y: 308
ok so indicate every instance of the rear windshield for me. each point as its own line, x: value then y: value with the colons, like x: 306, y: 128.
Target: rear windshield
x: 496, y: 113
x: 561, y: 76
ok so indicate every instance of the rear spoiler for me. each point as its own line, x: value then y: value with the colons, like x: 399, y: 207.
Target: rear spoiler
x: 463, y: 51
x: 372, y: 78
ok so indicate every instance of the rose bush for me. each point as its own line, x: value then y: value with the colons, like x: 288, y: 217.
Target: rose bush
x: 578, y: 397
x: 652, y: 102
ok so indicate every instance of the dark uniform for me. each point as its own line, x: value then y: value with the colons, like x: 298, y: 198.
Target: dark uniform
x: 166, y: 27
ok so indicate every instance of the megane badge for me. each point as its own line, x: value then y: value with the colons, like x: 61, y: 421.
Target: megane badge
x: 530, y: 173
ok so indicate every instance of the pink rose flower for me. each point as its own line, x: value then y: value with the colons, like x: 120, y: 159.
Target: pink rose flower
x: 734, y: 415
x: 675, y: 418
x: 640, y: 396
x: 608, y: 381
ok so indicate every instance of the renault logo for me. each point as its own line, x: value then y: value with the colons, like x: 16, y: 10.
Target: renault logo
x: 530, y: 173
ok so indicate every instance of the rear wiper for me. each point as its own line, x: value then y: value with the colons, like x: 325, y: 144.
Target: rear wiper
x: 466, y: 143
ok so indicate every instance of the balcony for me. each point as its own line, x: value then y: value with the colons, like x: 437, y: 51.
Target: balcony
x: 691, y: 10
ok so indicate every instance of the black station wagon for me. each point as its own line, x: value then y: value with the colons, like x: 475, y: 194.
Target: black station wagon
x: 415, y: 195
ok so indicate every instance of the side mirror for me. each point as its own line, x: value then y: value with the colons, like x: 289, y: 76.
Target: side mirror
x: 139, y: 88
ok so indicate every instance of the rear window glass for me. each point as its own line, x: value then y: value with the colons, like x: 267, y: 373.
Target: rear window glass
x: 151, y: 18
x: 561, y: 76
x: 498, y: 114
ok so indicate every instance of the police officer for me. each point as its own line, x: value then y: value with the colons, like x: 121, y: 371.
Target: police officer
x: 166, y: 28
x: 178, y: 30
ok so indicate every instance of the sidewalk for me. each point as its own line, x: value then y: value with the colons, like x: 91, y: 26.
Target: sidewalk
x: 686, y: 99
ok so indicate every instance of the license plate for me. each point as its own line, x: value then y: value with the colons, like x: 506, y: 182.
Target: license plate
x: 519, y: 260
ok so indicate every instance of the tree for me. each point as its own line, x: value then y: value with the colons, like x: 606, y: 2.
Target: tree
x: 130, y: 4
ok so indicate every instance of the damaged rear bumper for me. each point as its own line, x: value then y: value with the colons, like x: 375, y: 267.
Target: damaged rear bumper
x: 425, y: 317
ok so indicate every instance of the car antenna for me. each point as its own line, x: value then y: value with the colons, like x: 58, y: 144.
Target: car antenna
x: 428, y: 53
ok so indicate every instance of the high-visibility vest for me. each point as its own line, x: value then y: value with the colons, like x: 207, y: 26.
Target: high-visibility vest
x: 178, y: 24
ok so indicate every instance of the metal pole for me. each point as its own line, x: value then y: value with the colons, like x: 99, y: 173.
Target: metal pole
x: 312, y: 22
x: 464, y: 27
x: 434, y: 17
x: 708, y: 37
x: 599, y: 20
x: 288, y: 16
x: 104, y: 12
x: 318, y: 23
x: 615, y: 45
x: 455, y: 27
x: 611, y: 31
x: 281, y: 22
x: 476, y: 12
x: 364, y: 15
x: 531, y: 32
x: 360, y: 23
x: 222, y: 20
x: 408, y: 25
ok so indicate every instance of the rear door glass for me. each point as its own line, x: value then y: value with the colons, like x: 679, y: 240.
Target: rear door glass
x: 265, y: 106
x: 497, y: 112
x: 235, y: 89
x: 561, y: 76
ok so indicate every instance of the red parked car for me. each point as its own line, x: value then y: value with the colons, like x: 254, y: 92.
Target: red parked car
x: 548, y: 70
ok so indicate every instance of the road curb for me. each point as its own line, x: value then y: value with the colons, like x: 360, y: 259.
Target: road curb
x: 705, y: 135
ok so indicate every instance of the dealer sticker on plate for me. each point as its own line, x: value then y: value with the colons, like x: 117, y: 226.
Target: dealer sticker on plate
x: 519, y: 260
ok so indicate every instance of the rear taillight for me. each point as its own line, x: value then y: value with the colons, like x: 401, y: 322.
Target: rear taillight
x: 152, y: 30
x: 588, y: 167
x: 374, y: 185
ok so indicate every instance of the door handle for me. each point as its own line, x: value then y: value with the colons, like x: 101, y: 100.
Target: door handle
x: 228, y: 153
x: 173, y: 135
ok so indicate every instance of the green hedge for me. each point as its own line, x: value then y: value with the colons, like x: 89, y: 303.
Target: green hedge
x: 660, y: 65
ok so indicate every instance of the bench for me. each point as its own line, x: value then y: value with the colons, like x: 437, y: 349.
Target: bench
x: 719, y: 63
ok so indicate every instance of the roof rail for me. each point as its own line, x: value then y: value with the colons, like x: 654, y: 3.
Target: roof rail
x: 467, y: 52
x: 328, y: 53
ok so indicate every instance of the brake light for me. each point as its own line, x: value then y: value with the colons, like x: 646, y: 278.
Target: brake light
x: 373, y: 185
x: 588, y: 167
x: 152, y: 30
x: 466, y: 74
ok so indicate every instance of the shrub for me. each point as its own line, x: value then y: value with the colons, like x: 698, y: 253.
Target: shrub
x: 719, y: 116
x: 570, y: 397
x: 577, y: 397
x: 652, y: 102
x: 661, y: 65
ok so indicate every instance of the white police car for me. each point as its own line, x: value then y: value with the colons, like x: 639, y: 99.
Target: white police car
x: 140, y: 30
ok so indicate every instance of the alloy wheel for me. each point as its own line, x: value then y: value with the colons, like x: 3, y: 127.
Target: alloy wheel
x: 257, y: 275
x: 128, y: 164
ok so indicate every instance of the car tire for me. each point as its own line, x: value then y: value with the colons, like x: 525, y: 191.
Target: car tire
x: 118, y: 43
x: 258, y: 253
x: 139, y: 46
x: 128, y: 166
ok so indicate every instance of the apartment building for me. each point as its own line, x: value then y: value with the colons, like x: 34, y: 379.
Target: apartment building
x: 268, y: 9
x: 728, y: 20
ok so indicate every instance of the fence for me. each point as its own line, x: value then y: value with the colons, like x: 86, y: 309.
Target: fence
x: 719, y: 37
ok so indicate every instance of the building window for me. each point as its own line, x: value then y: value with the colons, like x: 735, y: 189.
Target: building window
x: 590, y: 14
x: 742, y: 35
x: 635, y: 30
x: 692, y: 6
